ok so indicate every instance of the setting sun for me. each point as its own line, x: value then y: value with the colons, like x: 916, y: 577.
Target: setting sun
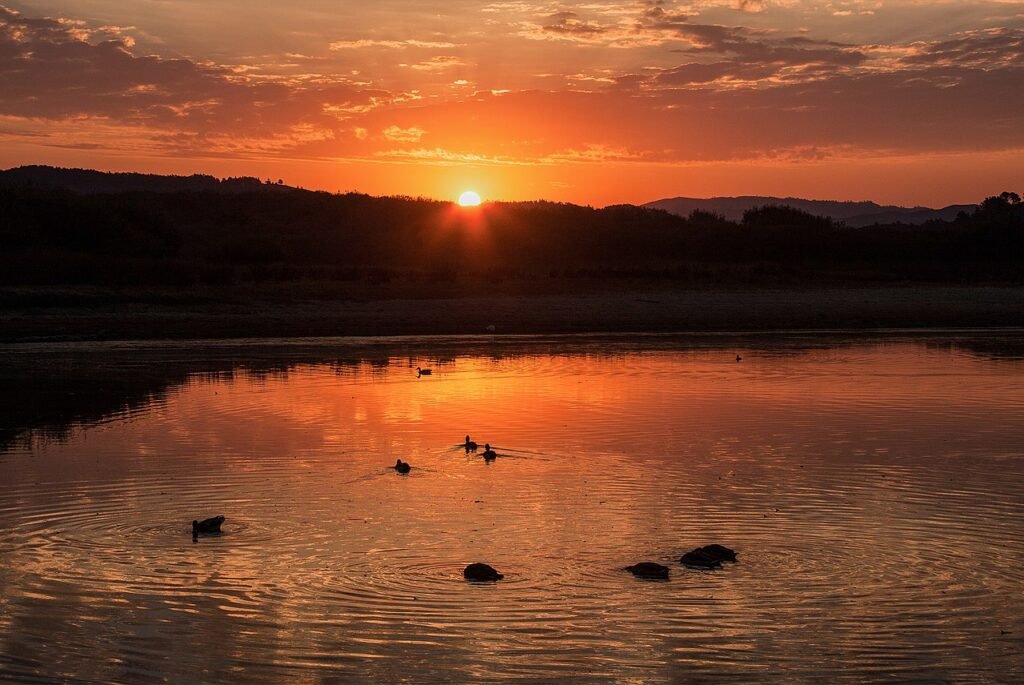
x: 469, y: 199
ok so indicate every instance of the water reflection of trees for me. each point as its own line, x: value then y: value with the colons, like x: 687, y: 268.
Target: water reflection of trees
x: 50, y: 390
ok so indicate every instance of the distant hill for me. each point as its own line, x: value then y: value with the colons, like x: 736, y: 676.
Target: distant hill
x: 88, y: 181
x: 852, y: 213
x: 70, y: 228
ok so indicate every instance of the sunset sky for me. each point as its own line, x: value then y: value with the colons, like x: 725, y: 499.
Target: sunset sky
x: 598, y: 102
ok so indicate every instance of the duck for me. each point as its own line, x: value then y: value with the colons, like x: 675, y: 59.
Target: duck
x: 402, y: 466
x: 719, y: 551
x: 649, y: 570
x: 207, y: 526
x: 739, y: 358
x: 481, y: 573
x: 423, y: 372
x: 470, y: 445
x: 489, y: 453
x: 708, y: 556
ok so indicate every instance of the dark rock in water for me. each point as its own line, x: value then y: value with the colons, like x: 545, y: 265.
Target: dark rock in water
x: 481, y: 572
x: 649, y: 569
x: 207, y: 526
x: 709, y: 556
x: 402, y: 466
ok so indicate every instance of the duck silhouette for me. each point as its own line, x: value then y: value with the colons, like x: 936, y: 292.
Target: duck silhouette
x: 423, y: 372
x: 481, y: 573
x: 739, y: 358
x: 470, y: 445
x: 402, y: 466
x: 209, y: 526
x: 708, y: 556
x: 489, y: 454
x: 649, y: 570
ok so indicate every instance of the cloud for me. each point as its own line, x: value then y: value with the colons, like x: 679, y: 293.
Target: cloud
x: 594, y: 152
x: 692, y: 91
x: 436, y: 63
x: 983, y: 49
x: 569, y: 23
x: 391, y: 44
x: 444, y: 157
x: 49, y: 69
x: 938, y: 109
x: 403, y: 135
x: 752, y: 54
x: 693, y: 73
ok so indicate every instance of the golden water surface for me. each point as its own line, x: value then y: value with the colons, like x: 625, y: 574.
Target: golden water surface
x: 874, y: 489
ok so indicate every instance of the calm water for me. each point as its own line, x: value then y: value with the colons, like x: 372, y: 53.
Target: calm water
x: 874, y: 489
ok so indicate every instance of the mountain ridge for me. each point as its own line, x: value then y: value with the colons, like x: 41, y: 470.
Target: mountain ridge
x: 853, y: 213
x: 91, y: 181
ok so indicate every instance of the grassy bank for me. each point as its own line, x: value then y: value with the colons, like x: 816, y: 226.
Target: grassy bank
x: 96, y: 315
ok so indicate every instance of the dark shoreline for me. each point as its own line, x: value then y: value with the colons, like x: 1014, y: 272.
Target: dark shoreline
x: 632, y: 311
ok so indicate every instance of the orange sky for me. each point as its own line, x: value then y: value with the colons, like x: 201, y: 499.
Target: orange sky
x: 903, y: 101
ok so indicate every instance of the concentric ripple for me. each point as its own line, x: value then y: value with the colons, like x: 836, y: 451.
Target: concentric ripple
x: 873, y: 490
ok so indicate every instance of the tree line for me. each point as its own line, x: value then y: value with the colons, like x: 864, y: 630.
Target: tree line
x: 54, y: 236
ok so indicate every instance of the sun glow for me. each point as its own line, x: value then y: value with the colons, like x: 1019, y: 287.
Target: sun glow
x: 469, y: 199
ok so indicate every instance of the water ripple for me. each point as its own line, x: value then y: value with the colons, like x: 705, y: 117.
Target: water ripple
x: 878, y: 517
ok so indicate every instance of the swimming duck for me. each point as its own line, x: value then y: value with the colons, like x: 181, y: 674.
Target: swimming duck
x: 698, y: 559
x: 719, y: 551
x: 481, y: 572
x: 470, y: 445
x: 709, y: 556
x: 402, y: 466
x: 650, y: 570
x: 489, y: 453
x: 739, y: 358
x: 423, y: 372
x: 207, y: 526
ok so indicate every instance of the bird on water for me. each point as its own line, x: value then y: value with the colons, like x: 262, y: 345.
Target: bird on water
x: 470, y: 445
x: 481, y: 572
x: 207, y: 526
x: 423, y: 372
x: 402, y: 466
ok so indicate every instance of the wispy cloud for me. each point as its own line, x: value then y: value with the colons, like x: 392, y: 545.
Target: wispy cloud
x: 390, y: 44
x: 403, y: 135
x: 686, y: 82
x: 436, y: 63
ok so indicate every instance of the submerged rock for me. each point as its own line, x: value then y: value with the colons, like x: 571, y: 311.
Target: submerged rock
x: 481, y: 572
x: 649, y: 569
x: 709, y: 556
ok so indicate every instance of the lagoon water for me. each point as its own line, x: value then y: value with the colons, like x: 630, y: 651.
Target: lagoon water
x: 873, y: 487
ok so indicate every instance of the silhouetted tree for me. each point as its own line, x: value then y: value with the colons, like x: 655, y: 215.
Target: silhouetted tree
x: 706, y: 219
x: 781, y: 215
x: 1000, y: 211
x: 222, y: 232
